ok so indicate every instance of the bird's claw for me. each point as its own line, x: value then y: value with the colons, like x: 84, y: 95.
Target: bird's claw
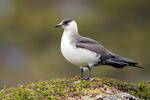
x: 86, y: 79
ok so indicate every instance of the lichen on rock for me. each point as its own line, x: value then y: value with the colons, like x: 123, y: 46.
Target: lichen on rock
x: 75, y: 88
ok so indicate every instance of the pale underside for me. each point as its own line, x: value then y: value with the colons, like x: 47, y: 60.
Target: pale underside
x: 78, y: 56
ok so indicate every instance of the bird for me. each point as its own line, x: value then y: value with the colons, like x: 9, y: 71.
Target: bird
x: 86, y: 52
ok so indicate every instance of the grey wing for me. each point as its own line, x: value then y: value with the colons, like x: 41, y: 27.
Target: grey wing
x: 107, y: 57
x: 91, y: 45
x: 87, y: 40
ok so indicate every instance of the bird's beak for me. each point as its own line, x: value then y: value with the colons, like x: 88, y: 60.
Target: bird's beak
x: 58, y: 25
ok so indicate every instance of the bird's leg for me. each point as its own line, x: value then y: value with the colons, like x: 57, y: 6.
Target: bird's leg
x: 82, y: 71
x: 89, y: 74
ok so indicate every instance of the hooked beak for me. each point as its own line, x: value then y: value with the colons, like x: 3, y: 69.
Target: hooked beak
x: 58, y: 25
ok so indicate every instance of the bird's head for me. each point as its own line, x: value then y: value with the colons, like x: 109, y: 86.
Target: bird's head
x: 68, y: 25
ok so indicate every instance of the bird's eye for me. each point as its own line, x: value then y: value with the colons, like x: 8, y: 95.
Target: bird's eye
x: 66, y: 22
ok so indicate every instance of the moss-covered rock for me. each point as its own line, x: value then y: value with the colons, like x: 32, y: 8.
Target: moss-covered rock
x: 96, y: 88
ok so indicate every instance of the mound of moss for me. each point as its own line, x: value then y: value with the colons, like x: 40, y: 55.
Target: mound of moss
x: 75, y: 88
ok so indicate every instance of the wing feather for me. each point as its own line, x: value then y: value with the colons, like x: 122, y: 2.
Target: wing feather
x: 91, y: 45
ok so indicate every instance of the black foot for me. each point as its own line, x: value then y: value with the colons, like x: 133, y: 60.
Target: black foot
x: 82, y: 71
x: 82, y: 79
x: 89, y: 74
x: 87, y: 79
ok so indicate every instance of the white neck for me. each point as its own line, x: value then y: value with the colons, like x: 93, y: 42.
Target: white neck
x: 72, y: 28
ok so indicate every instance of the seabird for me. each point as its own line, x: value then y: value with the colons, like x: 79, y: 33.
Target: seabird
x: 85, y: 52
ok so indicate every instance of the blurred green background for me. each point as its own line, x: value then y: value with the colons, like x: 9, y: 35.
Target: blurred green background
x: 30, y: 45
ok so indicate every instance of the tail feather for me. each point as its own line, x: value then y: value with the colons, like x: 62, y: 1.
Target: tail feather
x: 137, y: 66
x: 120, y: 62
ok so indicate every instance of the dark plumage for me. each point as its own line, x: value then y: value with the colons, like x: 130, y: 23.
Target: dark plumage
x: 119, y: 62
x: 66, y: 21
x: 107, y: 57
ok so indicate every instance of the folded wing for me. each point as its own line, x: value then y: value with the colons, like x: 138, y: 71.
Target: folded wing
x: 107, y: 57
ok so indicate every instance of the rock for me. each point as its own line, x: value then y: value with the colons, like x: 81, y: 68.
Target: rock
x: 77, y: 89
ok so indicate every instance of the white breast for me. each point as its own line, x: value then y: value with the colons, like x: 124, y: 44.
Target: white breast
x: 77, y: 56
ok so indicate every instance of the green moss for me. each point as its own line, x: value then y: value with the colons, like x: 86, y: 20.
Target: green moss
x: 63, y: 88
x: 141, y: 90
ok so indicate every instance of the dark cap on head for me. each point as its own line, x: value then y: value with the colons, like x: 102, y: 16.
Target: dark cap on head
x: 67, y: 20
x: 64, y: 22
